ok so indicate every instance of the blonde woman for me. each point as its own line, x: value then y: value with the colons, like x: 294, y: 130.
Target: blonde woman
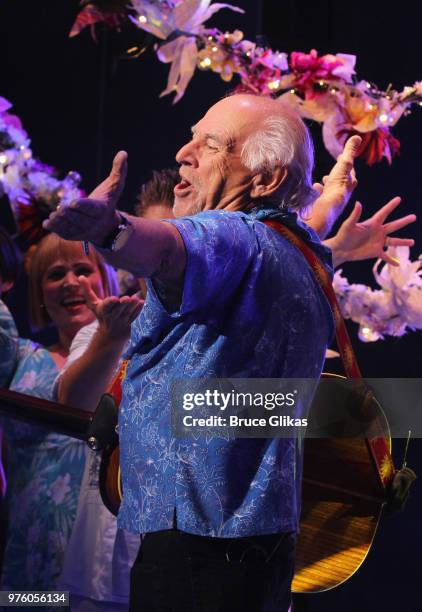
x: 45, y: 469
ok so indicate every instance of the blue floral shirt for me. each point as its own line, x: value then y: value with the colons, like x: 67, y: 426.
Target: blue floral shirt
x: 251, y: 307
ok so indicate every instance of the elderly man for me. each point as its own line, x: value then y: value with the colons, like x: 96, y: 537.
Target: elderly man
x: 227, y: 297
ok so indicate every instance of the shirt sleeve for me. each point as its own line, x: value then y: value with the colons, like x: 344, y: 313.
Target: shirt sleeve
x: 79, y: 345
x: 9, y: 345
x: 221, y: 250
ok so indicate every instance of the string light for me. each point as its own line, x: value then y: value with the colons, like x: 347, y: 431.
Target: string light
x: 142, y: 19
x: 274, y: 84
x: 205, y: 63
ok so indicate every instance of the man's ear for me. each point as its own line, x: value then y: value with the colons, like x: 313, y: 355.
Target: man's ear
x: 266, y: 183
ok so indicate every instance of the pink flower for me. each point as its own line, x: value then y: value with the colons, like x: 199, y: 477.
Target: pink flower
x: 310, y: 68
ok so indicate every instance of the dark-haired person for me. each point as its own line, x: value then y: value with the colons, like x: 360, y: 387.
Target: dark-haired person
x: 156, y: 197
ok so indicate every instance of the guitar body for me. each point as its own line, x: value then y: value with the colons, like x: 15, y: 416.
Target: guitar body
x: 110, y: 479
x: 343, y: 493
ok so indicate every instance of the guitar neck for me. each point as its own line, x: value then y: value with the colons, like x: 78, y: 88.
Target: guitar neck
x: 60, y: 418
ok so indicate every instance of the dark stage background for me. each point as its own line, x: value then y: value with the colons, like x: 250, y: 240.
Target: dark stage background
x: 80, y: 104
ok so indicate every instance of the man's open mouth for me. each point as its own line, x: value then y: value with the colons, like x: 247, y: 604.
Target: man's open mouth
x: 182, y: 188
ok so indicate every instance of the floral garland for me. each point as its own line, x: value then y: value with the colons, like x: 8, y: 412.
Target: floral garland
x: 388, y: 311
x: 32, y: 187
x: 322, y: 88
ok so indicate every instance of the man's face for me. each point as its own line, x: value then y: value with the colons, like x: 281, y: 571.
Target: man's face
x: 212, y: 173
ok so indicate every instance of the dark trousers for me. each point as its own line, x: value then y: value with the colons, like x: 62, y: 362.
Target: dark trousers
x: 180, y: 572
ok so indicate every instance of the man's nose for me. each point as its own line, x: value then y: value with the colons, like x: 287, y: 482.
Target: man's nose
x: 186, y: 155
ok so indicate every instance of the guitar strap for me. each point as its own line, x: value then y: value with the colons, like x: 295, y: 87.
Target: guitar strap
x: 379, y: 445
x: 115, y: 388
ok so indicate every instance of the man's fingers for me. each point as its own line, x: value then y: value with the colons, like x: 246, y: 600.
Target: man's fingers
x: 74, y: 219
x: 119, y: 171
x: 395, y: 242
x: 90, y: 295
x: 394, y: 226
x: 119, y: 166
x: 318, y: 187
x: 351, y: 149
x: 345, y: 160
x: 386, y: 210
x: 355, y: 214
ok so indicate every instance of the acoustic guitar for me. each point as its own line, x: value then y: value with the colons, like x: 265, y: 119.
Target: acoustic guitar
x: 345, y: 479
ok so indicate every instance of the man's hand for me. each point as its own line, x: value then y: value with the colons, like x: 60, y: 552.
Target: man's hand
x: 366, y: 240
x: 93, y: 218
x: 114, y: 314
x: 336, y: 189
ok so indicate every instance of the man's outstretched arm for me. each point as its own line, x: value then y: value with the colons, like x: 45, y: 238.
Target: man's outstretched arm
x: 151, y: 248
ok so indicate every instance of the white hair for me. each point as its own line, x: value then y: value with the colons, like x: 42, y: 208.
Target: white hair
x: 283, y: 140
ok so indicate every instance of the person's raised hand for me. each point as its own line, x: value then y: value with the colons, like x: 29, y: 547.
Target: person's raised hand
x: 115, y: 314
x: 337, y: 187
x: 357, y: 240
x: 93, y: 218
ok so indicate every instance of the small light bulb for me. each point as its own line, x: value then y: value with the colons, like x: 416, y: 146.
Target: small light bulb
x: 274, y: 84
x: 205, y: 62
x: 142, y: 19
x: 383, y: 118
x: 3, y: 158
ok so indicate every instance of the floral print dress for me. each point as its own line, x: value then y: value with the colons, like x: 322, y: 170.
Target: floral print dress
x: 44, y: 471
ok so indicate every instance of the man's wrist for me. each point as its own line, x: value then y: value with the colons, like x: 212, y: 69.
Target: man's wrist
x: 118, y: 236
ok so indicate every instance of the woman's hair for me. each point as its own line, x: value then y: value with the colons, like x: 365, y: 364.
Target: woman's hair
x: 10, y: 258
x: 50, y: 248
